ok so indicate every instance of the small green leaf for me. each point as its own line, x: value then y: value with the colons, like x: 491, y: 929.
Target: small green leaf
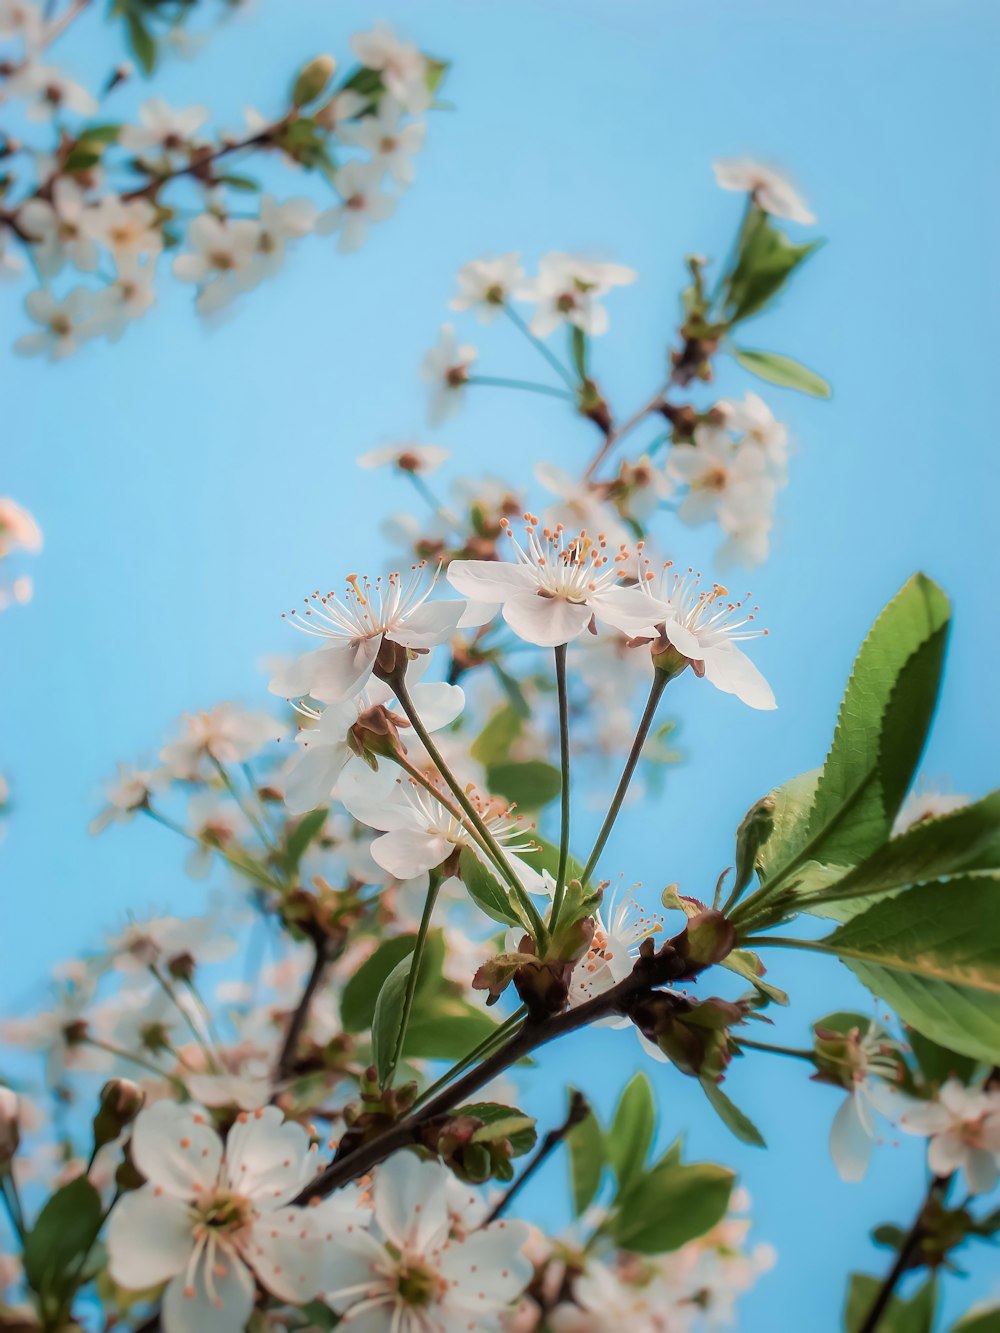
x: 731, y: 1115
x: 585, y: 1143
x: 671, y: 1206
x: 782, y: 370
x: 388, y: 1018
x: 65, y: 1230
x: 141, y: 41
x: 748, y: 965
x: 504, y: 1122
x: 246, y: 184
x: 937, y: 1064
x: 530, y: 785
x: 357, y: 1003
x: 765, y: 262
x: 447, y: 1029
x: 301, y: 837
x: 493, y: 743
x: 486, y: 890
x: 630, y: 1137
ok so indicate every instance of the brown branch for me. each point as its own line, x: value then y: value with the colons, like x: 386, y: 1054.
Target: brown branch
x: 614, y: 435
x: 906, y: 1256
x: 198, y: 166
x: 579, y: 1109
x: 286, y: 1057
x: 649, y: 972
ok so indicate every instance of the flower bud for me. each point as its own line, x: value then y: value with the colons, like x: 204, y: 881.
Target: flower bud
x: 312, y: 79
x: 755, y: 828
x: 10, y: 1126
x: 121, y: 1102
x: 706, y: 939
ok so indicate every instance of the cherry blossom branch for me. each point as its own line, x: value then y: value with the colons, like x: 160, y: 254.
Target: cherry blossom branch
x: 657, y: 687
x: 655, y: 404
x: 199, y: 164
x: 936, y: 1191
x: 486, y: 1047
x: 579, y: 1109
x: 649, y: 972
x: 560, y: 889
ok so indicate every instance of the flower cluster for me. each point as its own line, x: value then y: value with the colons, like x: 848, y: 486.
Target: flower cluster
x: 106, y: 203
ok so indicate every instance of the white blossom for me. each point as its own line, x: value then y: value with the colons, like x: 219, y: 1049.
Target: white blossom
x: 226, y: 734
x: 555, y: 587
x: 567, y: 289
x: 402, y: 65
x: 210, y: 1219
x: 64, y: 324
x: 222, y: 250
x: 963, y: 1126
x: 487, y: 285
x: 390, y: 144
x: 57, y: 230
x: 770, y: 189
x: 52, y: 92
x: 407, y: 457
x: 127, y: 227
x: 445, y: 368
x: 162, y: 126
x: 364, y: 202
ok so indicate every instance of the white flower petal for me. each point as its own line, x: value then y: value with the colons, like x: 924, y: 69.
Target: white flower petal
x: 410, y: 1202
x: 850, y: 1143
x: 176, y: 1148
x: 149, y: 1239
x: 267, y: 1157
x: 219, y: 1299
x: 546, y: 621
x: 731, y: 671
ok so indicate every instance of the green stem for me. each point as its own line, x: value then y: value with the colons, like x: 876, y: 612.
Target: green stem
x: 562, y: 371
x: 485, y: 1048
x: 237, y: 796
x: 659, y: 684
x: 398, y: 683
x: 796, y: 1053
x: 557, y: 897
x: 529, y: 386
x: 260, y: 876
x: 121, y: 1054
x: 8, y: 1192
x: 190, y: 1024
x: 413, y: 976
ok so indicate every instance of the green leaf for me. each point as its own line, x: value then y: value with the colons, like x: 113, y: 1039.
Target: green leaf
x: 913, y: 1316
x: 141, y: 41
x: 512, y: 689
x: 585, y: 1143
x: 247, y: 184
x: 100, y: 133
x: 493, y: 743
x: 966, y: 839
x: 388, y: 1018
x: 731, y: 1116
x: 983, y: 1321
x: 445, y: 1030
x: 65, y: 1230
x: 300, y: 838
x: 630, y: 1137
x: 782, y: 370
x: 672, y: 1205
x: 933, y: 954
x: 530, y: 785
x: 937, y: 1064
x: 357, y: 1003
x: 486, y: 890
x: 545, y: 856
x: 881, y: 728
x: 765, y: 262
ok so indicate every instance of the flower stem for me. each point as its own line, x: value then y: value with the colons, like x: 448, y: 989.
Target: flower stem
x: 8, y: 1193
x: 560, y: 889
x: 562, y: 371
x: 244, y: 805
x: 259, y: 876
x: 398, y: 683
x: 120, y: 1054
x: 413, y: 976
x: 579, y: 1109
x: 660, y: 679
x: 529, y: 386
x: 797, y: 1053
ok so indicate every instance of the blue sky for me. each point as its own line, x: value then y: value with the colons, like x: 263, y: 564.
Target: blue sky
x: 192, y: 482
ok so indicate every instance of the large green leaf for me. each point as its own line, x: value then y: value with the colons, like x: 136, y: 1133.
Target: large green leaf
x: 671, y: 1205
x: 979, y: 1321
x: 915, y: 1315
x: 529, y: 785
x: 357, y: 1003
x: 933, y: 954
x: 445, y: 1029
x: 735, y: 1120
x: 784, y: 371
x: 967, y: 839
x: 388, y: 1018
x: 881, y: 728
x: 631, y: 1134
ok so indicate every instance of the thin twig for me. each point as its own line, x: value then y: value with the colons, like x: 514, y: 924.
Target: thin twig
x: 286, y: 1057
x: 579, y: 1109
x: 904, y: 1259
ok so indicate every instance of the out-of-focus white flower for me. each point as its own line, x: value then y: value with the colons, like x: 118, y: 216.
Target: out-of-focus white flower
x: 208, y: 1221
x: 566, y: 291
x: 57, y: 230
x: 555, y: 587
x: 125, y: 794
x: 389, y: 142
x: 393, y: 609
x: 770, y: 189
x: 364, y: 202
x: 219, y: 824
x: 870, y: 1069
x: 65, y: 324
x: 413, y: 1271
x: 579, y: 506
x: 705, y: 626
x: 963, y: 1126
x: 127, y: 227
x: 11, y: 263
x: 487, y: 285
x: 326, y: 748
x: 226, y: 733
x: 126, y: 299
x: 445, y: 369
x: 143, y: 943
x: 51, y: 91
x: 162, y: 126
x: 922, y: 805
x: 407, y: 457
x: 23, y: 19
x: 222, y: 250
x: 278, y: 224
x: 714, y: 471
x: 757, y: 424
x: 19, y: 530
x: 403, y: 66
